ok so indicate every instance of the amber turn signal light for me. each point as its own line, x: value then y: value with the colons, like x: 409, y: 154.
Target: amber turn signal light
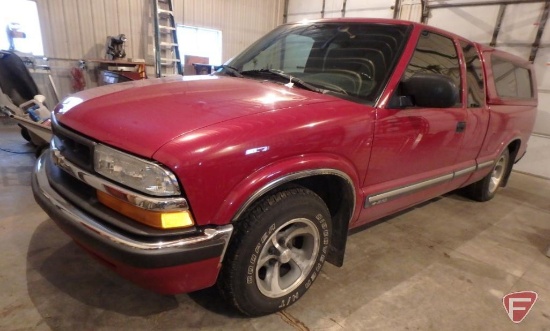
x: 156, y: 219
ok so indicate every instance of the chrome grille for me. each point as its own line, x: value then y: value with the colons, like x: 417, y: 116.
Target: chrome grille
x: 74, y: 147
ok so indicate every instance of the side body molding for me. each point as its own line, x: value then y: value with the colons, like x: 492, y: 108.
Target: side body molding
x: 387, y: 196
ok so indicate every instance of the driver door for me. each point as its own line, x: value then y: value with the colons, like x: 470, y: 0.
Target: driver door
x: 414, y: 149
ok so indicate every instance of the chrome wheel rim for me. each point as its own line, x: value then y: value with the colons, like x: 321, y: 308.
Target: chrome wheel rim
x: 498, y: 173
x: 287, y: 257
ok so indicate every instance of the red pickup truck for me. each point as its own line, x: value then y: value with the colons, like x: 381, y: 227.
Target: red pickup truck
x: 251, y: 177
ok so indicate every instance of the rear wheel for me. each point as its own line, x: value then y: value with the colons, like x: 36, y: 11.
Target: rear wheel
x: 486, y: 188
x: 277, y: 251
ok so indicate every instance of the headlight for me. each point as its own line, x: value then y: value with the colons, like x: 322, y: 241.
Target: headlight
x: 142, y: 175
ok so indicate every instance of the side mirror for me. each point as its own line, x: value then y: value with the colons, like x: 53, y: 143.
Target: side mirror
x: 431, y: 90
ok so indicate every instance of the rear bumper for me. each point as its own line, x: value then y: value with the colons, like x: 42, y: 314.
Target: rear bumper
x: 166, y: 265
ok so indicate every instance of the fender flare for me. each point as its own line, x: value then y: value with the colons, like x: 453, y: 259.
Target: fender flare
x: 284, y: 171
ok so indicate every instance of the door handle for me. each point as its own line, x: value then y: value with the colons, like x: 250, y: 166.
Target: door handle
x: 460, y: 126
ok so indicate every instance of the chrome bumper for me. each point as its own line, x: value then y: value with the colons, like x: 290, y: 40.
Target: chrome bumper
x: 102, y: 239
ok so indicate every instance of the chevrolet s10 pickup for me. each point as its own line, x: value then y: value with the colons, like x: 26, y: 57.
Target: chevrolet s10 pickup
x: 251, y: 177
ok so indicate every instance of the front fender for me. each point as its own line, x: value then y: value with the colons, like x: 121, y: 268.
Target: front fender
x: 284, y: 171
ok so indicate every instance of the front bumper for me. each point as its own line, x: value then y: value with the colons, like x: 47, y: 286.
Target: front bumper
x: 166, y: 265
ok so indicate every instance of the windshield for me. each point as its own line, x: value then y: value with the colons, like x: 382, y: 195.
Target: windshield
x: 347, y: 59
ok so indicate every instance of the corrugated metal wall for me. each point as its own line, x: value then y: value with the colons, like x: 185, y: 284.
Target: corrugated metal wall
x: 77, y: 29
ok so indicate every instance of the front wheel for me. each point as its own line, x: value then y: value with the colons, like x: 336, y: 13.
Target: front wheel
x: 277, y: 251
x: 486, y: 188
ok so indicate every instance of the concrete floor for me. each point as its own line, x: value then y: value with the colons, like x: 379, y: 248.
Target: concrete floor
x: 444, y: 265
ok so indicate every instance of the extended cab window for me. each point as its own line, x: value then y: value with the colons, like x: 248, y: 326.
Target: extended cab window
x: 474, y: 76
x: 435, y: 54
x: 511, y: 81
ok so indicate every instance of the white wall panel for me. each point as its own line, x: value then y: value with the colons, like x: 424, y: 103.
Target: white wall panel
x: 542, y: 63
x: 542, y: 66
x: 333, y: 8
x: 301, y: 10
x: 474, y: 23
x: 241, y: 22
x: 520, y: 23
x: 313, y: 9
x: 371, y: 8
x: 542, y: 124
x: 521, y: 51
x: 410, y: 10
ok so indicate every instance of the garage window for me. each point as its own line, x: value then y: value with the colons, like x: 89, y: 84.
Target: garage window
x: 200, y: 42
x: 20, y: 19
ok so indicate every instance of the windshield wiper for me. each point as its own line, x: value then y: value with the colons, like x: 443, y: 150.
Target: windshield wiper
x: 291, y: 80
x: 232, y: 71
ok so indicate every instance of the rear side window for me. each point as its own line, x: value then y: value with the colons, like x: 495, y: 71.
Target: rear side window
x: 474, y: 76
x: 511, y: 81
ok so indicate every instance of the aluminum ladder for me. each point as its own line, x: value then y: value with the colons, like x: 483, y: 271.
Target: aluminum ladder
x: 167, y: 54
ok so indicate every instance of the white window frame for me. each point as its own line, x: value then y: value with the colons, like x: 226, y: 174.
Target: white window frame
x: 24, y: 12
x: 197, y: 41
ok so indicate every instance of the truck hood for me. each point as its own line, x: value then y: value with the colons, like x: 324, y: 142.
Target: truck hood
x: 141, y: 116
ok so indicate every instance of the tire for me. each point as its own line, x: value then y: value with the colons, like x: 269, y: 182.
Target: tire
x: 25, y: 134
x: 486, y: 188
x: 277, y: 251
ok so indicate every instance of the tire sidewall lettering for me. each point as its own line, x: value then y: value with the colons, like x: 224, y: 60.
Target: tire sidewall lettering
x: 250, y: 279
x: 255, y: 239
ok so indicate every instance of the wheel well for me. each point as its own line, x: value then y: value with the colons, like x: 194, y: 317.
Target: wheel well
x: 513, y: 148
x: 338, y: 194
x: 339, y: 197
